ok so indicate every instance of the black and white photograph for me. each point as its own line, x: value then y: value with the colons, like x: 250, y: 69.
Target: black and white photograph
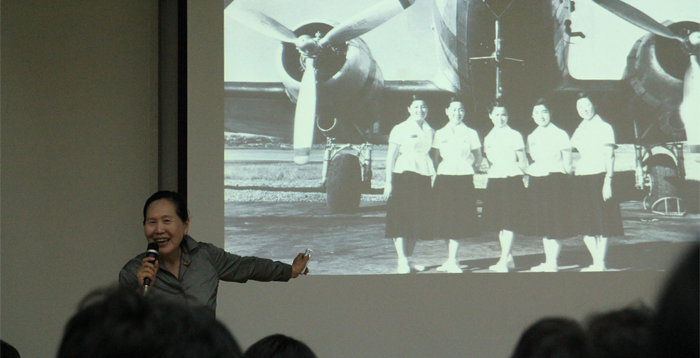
x: 462, y: 136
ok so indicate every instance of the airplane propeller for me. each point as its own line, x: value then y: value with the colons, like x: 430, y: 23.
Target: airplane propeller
x: 305, y: 114
x: 689, y: 107
x: 309, y: 48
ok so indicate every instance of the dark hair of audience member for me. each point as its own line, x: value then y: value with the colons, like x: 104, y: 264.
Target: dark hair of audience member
x: 8, y: 351
x: 552, y: 338
x: 675, y: 331
x: 279, y: 346
x: 122, y: 323
x: 176, y: 199
x: 620, y: 333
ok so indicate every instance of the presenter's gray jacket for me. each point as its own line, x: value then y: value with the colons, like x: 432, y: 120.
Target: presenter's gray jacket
x: 202, y: 265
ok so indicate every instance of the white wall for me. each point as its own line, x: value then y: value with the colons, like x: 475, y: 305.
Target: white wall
x: 79, y: 140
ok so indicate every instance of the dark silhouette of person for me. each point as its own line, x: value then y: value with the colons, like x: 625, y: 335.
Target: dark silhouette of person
x: 279, y: 346
x: 122, y: 323
x: 552, y: 337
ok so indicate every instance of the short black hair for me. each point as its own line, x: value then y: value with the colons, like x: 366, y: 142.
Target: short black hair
x: 495, y: 104
x: 416, y: 97
x: 279, y: 346
x: 593, y: 99
x: 173, y: 197
x: 542, y: 102
x: 620, y: 333
x: 553, y: 337
x: 675, y: 331
x: 119, y: 322
x: 8, y: 351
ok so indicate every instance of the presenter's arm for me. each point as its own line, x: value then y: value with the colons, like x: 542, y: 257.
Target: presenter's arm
x: 236, y: 268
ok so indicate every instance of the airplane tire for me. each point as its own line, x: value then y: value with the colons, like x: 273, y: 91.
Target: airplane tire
x: 344, y: 184
x: 662, y: 174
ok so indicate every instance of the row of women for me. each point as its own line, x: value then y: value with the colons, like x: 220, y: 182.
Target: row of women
x: 435, y: 169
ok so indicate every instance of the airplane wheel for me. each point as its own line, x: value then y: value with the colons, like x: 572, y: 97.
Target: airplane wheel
x: 662, y: 175
x: 344, y: 184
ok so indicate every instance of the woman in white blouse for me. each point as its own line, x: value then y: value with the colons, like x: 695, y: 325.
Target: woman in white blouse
x: 409, y: 173
x: 458, y: 152
x: 549, y: 186
x: 598, y: 215
x: 503, y: 209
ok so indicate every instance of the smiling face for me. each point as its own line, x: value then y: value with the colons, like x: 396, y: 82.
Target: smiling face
x: 455, y: 112
x: 418, y: 110
x: 585, y: 108
x: 499, y: 117
x: 541, y: 115
x: 164, y: 227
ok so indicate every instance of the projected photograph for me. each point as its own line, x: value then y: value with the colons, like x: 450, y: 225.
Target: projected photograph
x: 462, y: 136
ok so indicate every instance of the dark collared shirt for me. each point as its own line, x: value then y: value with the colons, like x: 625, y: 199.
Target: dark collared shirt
x: 202, y: 265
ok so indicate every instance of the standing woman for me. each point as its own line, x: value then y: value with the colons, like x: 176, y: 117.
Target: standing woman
x: 599, y: 217
x: 458, y: 152
x: 503, y: 210
x: 409, y: 172
x: 548, y: 186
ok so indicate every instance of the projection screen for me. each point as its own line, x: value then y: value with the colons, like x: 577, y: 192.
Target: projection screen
x: 472, y: 51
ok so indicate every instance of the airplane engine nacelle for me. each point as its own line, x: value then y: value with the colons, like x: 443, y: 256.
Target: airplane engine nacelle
x: 347, y: 75
x: 655, y: 70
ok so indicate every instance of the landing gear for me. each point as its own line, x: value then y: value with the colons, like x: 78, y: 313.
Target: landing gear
x: 664, y: 179
x: 346, y: 176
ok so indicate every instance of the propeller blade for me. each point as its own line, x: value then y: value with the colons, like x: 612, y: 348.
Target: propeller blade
x: 305, y: 114
x: 690, y: 107
x: 263, y: 24
x: 637, y: 18
x: 365, y: 21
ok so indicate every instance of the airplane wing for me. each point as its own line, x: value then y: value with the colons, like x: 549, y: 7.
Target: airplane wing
x: 265, y: 108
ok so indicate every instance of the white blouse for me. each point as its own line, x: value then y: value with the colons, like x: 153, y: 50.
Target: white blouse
x: 456, y: 144
x: 545, y: 145
x: 591, y: 138
x: 414, y: 144
x: 500, y: 147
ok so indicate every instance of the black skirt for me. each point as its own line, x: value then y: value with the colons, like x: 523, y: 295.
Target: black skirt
x: 504, y: 204
x: 408, y: 207
x: 454, y: 207
x: 593, y: 215
x: 549, y: 203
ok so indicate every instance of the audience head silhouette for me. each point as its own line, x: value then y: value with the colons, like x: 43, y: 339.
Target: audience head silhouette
x: 279, y: 346
x: 122, y: 323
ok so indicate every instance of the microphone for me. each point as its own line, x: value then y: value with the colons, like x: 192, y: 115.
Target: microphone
x: 151, y: 251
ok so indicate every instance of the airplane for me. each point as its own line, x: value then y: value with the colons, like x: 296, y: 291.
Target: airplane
x: 509, y: 49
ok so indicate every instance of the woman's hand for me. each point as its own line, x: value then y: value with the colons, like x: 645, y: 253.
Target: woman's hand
x: 299, y: 265
x: 607, y: 188
x: 387, y: 190
x: 149, y: 267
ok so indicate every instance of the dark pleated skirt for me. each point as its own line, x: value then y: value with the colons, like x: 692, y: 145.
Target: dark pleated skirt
x: 549, y: 207
x: 504, y: 204
x: 593, y: 215
x: 454, y: 207
x: 408, y: 208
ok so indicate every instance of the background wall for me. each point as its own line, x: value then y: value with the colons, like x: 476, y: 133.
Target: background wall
x: 79, y: 140
x: 478, y: 315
